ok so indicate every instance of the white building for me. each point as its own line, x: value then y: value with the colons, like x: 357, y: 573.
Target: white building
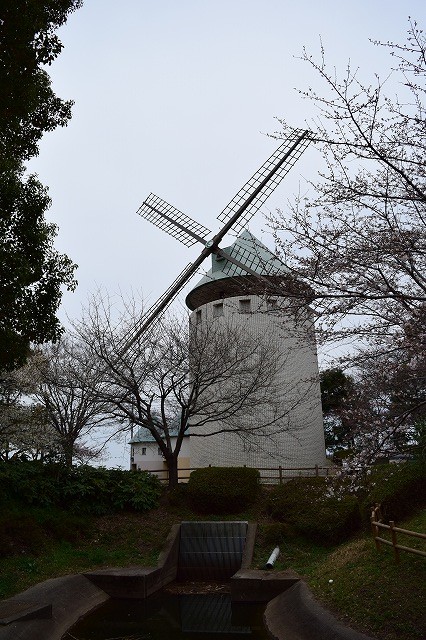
x: 145, y: 455
x: 258, y: 307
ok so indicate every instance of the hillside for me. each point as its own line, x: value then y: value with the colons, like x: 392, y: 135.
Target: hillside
x: 364, y: 588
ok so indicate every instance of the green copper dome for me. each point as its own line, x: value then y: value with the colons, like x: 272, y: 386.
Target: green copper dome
x: 226, y: 279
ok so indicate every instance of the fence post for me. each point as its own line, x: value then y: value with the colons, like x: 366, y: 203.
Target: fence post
x: 394, y: 541
x: 374, y: 527
x: 280, y: 469
x: 316, y: 471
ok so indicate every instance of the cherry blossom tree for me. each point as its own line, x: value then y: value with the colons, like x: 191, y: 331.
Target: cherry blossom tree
x: 67, y: 392
x: 357, y: 235
x: 24, y: 428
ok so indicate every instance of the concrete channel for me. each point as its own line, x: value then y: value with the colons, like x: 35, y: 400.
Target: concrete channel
x: 197, y: 551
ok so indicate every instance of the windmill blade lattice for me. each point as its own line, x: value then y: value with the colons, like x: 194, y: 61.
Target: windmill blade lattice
x: 157, y: 307
x: 234, y: 217
x: 285, y: 156
x: 173, y: 221
x: 154, y: 312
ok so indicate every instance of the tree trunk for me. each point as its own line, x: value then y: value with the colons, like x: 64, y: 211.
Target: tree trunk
x: 68, y: 451
x: 172, y: 466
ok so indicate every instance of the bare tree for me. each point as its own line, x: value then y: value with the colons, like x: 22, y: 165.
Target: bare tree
x: 357, y: 236
x: 67, y: 384
x: 174, y: 378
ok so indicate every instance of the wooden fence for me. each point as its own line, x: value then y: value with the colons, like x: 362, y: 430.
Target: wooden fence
x: 268, y: 475
x: 377, y: 525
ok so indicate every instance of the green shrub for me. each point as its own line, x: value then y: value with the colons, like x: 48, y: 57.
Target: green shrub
x: 134, y: 490
x: 82, y: 489
x: 86, y: 489
x: 312, y: 509
x: 399, y: 488
x: 33, y: 483
x: 99, y: 491
x: 223, y: 489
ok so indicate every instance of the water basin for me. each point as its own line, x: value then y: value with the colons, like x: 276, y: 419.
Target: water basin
x: 165, y: 616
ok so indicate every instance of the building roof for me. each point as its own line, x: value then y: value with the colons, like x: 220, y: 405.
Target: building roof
x: 223, y: 277
x: 250, y: 251
x: 143, y: 435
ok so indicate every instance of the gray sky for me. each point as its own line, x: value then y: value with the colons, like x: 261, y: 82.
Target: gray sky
x: 176, y: 97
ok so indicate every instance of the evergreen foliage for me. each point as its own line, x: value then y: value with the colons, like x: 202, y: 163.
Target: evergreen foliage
x: 223, y: 489
x: 32, y: 271
x: 400, y: 489
x: 82, y: 489
x: 315, y: 511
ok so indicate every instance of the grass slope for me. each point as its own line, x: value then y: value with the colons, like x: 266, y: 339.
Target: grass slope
x: 364, y: 588
x: 368, y: 590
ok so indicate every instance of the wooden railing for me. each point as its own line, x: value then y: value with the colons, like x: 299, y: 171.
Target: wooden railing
x: 377, y: 525
x: 268, y: 475
x: 280, y: 474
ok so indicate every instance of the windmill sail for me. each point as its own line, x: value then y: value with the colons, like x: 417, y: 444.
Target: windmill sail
x: 154, y: 312
x: 173, y: 221
x: 245, y: 203
x: 265, y: 180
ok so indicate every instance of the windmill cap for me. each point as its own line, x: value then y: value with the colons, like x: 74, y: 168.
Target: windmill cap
x: 226, y: 279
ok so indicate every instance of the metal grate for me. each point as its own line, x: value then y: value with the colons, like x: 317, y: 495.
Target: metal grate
x: 210, y: 613
x: 210, y: 550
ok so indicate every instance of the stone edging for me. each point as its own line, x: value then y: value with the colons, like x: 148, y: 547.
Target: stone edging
x: 297, y: 615
x: 70, y: 598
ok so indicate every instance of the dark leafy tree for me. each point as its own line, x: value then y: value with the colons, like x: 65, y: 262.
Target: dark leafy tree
x: 335, y: 388
x: 28, y: 105
x: 32, y: 271
x: 336, y: 391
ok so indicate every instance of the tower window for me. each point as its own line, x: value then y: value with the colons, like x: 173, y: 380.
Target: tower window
x: 143, y: 451
x: 198, y: 316
x: 272, y: 304
x: 244, y: 306
x: 218, y: 310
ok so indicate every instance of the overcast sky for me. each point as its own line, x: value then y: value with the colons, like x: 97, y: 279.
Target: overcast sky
x: 176, y: 97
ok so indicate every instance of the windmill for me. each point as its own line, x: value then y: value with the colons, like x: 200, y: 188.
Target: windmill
x: 248, y: 269
x: 234, y: 217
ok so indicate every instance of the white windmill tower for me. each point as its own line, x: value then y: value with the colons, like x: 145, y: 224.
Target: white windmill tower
x: 262, y: 273
x: 262, y: 306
